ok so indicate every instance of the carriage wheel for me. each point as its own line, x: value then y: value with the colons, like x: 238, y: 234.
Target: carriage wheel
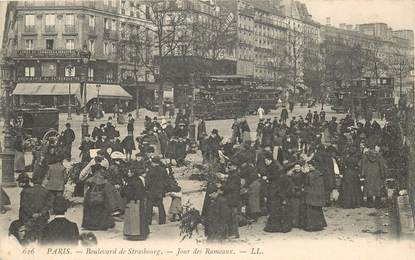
x: 50, y: 133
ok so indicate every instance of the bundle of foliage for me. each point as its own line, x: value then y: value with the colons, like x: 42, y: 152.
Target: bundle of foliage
x: 191, y: 218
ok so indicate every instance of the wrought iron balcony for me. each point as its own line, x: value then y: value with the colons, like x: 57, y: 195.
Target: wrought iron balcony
x: 50, y: 28
x: 69, y: 28
x: 29, y: 28
x: 46, y: 54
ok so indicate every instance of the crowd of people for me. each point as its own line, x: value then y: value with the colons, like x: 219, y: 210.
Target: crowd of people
x: 293, y: 168
x: 288, y: 171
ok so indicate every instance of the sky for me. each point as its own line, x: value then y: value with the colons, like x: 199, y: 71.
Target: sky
x: 398, y: 14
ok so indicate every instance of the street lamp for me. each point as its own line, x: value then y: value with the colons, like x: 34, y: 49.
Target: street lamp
x: 69, y: 68
x: 7, y: 155
x: 192, y: 127
x: 85, y: 55
x: 98, y: 103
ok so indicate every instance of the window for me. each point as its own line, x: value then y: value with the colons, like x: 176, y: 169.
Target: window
x: 105, y: 2
x: 49, y: 44
x: 70, y: 20
x: 29, y: 71
x: 92, y: 21
x: 123, y: 7
x: 114, y: 49
x: 50, y: 22
x: 29, y: 45
x: 70, y: 71
x: 114, y: 25
x: 90, y: 73
x: 105, y: 48
x: 48, y: 69
x: 70, y: 23
x: 106, y: 23
x: 110, y: 74
x: 91, y: 45
x: 29, y: 22
x: 70, y: 44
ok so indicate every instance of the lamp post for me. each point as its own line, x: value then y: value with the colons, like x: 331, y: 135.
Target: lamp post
x: 192, y: 127
x: 98, y: 103
x: 85, y: 55
x: 69, y: 68
x: 7, y: 155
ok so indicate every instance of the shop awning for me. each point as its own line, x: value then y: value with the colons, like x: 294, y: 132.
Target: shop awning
x: 106, y: 91
x: 46, y: 89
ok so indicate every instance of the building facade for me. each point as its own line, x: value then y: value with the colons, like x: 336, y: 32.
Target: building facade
x: 45, y: 37
x: 393, y: 50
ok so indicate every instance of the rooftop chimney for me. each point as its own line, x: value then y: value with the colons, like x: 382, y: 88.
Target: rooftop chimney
x: 328, y: 21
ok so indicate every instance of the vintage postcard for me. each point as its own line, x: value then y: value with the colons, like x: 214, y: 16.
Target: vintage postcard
x: 207, y: 129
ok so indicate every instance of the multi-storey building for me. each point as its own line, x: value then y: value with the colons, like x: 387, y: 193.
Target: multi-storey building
x: 379, y: 39
x: 261, y: 37
x: 44, y: 39
x: 303, y: 36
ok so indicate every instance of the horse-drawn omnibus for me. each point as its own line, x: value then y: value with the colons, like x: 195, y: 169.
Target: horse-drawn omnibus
x: 363, y: 95
x: 227, y: 96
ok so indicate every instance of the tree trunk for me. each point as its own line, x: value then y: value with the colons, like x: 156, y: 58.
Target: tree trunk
x: 160, y: 94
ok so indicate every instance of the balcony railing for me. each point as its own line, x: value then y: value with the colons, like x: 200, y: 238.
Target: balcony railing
x: 46, y: 54
x: 48, y: 79
x: 50, y: 28
x: 69, y: 28
x: 29, y: 28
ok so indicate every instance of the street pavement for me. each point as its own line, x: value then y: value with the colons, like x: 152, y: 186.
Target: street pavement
x: 343, y: 224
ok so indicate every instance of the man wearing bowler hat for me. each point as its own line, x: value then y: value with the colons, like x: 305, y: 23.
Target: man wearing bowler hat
x: 156, y: 182
x: 60, y: 231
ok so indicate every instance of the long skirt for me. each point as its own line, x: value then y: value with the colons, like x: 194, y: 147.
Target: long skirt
x: 175, y: 206
x: 279, y: 219
x: 351, y: 193
x: 135, y: 224
x: 295, y: 204
x: 115, y: 201
x: 246, y: 137
x: 96, y: 216
x: 4, y: 198
x: 312, y: 218
x: 19, y: 162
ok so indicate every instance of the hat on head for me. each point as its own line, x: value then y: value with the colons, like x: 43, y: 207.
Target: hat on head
x: 156, y: 159
x: 68, y: 125
x: 23, y: 177
x: 60, y: 205
x: 117, y: 155
x: 215, y: 131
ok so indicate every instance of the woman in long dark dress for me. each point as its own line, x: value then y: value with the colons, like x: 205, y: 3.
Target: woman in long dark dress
x: 135, y: 221
x: 97, y: 214
x: 297, y: 199
x: 350, y: 192
x: 218, y: 217
x: 280, y: 192
x: 312, y: 216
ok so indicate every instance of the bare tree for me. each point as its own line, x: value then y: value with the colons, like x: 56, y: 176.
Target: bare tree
x: 296, y: 45
x: 278, y: 64
x: 376, y: 65
x: 166, y: 22
x: 400, y: 65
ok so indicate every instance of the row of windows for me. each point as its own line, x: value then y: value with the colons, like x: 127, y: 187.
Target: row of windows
x: 49, y: 70
x: 109, y: 24
x: 108, y: 48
